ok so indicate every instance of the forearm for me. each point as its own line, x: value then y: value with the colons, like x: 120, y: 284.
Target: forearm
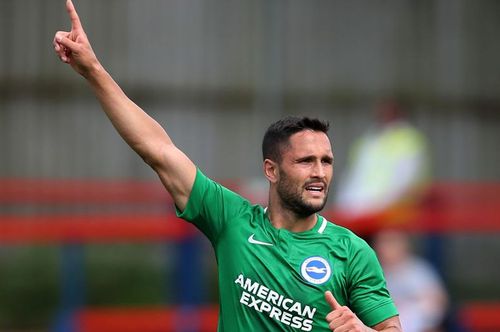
x: 387, y: 329
x: 176, y: 171
x: 389, y: 325
x: 141, y: 132
x: 144, y: 135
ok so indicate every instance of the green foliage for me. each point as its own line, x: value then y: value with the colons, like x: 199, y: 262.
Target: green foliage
x: 116, y: 275
x: 121, y: 275
x: 28, y: 286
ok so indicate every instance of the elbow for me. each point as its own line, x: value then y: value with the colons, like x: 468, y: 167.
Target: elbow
x: 154, y: 156
x: 151, y: 160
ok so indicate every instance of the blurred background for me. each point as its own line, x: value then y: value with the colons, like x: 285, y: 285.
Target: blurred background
x: 87, y: 235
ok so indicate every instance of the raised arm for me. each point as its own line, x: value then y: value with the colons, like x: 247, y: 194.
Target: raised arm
x: 176, y: 171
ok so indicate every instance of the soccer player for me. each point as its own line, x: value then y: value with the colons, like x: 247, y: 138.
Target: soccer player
x: 281, y: 268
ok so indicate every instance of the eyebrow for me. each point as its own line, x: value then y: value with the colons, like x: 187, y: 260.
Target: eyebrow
x: 328, y: 158
x: 312, y: 157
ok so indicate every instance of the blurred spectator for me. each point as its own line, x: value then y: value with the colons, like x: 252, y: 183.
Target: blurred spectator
x: 387, y: 166
x: 414, y: 285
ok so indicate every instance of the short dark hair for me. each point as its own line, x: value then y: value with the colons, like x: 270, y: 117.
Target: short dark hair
x: 279, y: 132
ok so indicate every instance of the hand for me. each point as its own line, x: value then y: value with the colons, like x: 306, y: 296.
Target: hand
x: 341, y: 318
x: 73, y: 47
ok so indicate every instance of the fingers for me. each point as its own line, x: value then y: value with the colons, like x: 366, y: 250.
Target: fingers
x: 60, y: 49
x: 73, y: 15
x: 64, y: 46
x: 332, y: 301
x: 68, y: 43
x: 341, y: 318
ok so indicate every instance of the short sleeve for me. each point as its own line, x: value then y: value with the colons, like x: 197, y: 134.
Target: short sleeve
x: 368, y: 294
x: 211, y: 206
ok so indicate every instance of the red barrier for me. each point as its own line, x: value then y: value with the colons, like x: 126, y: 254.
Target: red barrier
x: 201, y: 319
x: 101, y: 228
x: 481, y: 317
x: 46, y: 191
x: 91, y: 191
x: 446, y: 208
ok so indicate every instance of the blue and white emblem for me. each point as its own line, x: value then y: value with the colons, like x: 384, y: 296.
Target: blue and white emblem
x: 316, y: 270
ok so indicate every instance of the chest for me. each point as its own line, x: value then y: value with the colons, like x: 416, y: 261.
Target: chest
x: 301, y: 268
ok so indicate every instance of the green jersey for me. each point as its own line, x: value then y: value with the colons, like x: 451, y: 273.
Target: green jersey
x: 273, y: 279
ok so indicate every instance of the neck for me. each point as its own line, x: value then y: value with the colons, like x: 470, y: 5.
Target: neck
x: 284, y: 218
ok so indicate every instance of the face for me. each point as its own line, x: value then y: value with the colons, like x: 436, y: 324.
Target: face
x: 305, y: 172
x: 392, y: 247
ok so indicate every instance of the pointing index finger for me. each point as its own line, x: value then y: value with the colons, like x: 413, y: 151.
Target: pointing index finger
x: 73, y: 15
x: 332, y: 301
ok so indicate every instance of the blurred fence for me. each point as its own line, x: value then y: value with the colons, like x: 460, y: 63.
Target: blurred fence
x: 216, y: 73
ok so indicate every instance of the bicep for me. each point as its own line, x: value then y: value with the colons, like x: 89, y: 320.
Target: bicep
x: 177, y: 173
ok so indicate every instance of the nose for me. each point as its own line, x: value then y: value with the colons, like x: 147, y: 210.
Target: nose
x: 319, y: 170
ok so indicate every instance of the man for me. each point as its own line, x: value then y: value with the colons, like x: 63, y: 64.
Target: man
x: 414, y: 283
x: 388, y: 168
x: 281, y: 268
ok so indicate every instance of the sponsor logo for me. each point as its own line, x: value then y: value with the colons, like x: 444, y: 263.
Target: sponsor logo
x: 316, y: 270
x: 276, y: 306
x: 252, y: 240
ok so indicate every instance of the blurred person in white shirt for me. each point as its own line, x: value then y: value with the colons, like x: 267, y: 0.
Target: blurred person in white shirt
x: 413, y: 283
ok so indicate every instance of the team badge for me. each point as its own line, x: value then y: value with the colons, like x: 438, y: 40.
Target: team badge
x: 316, y: 270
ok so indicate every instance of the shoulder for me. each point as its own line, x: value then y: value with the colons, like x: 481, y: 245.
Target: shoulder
x: 344, y: 235
x: 209, y: 186
x: 345, y: 244
x: 210, y: 198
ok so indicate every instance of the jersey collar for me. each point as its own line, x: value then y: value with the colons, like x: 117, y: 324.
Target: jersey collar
x: 320, y: 226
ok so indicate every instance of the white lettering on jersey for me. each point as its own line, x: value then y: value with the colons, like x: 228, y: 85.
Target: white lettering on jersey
x: 265, y: 300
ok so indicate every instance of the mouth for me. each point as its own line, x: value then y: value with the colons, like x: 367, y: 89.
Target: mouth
x: 316, y: 188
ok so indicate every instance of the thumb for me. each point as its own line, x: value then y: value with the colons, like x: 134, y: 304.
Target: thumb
x: 332, y: 301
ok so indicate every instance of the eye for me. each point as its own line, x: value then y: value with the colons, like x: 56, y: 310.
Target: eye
x: 306, y: 160
x: 328, y: 161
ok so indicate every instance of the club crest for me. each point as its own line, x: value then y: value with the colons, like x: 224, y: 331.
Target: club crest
x: 316, y: 270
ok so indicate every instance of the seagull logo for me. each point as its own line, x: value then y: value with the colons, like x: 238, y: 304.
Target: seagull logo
x: 316, y: 270
x: 252, y: 240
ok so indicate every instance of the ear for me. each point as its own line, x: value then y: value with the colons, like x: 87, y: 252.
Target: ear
x: 271, y: 170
